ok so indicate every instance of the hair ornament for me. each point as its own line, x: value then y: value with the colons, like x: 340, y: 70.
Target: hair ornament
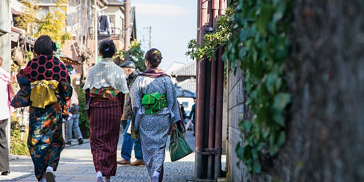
x: 107, y: 49
x: 159, y: 53
x: 54, y: 46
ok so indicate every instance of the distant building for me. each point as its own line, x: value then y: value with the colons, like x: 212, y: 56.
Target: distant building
x: 110, y: 25
x: 184, y: 78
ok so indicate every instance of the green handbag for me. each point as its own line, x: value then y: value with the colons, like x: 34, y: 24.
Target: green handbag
x: 178, y: 148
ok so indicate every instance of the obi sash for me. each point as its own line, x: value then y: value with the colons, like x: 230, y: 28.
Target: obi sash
x: 43, y: 93
x: 154, y: 102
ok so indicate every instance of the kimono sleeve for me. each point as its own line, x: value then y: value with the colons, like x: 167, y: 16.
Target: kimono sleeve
x: 121, y: 97
x: 65, y: 90
x: 22, y: 98
x: 136, y: 101
x: 172, y: 101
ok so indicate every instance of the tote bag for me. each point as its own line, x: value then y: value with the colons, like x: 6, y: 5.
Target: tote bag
x: 178, y: 148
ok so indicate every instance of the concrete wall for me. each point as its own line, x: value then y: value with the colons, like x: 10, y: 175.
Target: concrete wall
x: 235, y: 107
x: 236, y: 171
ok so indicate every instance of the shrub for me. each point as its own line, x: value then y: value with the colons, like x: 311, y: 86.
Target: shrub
x: 83, y: 121
x: 18, y: 146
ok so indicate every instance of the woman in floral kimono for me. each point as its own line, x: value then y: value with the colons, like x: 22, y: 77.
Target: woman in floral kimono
x: 45, y: 87
x: 105, y: 87
x: 154, y: 123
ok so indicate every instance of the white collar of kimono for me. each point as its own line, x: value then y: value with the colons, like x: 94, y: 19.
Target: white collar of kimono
x: 105, y: 74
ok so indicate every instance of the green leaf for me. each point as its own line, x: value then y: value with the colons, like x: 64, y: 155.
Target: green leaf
x: 257, y: 167
x: 242, y: 52
x: 247, y: 126
x: 243, y: 35
x: 240, y: 152
x: 281, y: 138
x: 278, y: 118
x: 264, y: 17
x: 281, y: 100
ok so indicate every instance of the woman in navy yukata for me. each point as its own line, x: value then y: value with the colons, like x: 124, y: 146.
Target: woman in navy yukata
x: 45, y: 88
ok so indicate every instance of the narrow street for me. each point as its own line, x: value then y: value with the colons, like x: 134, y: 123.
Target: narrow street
x: 76, y: 165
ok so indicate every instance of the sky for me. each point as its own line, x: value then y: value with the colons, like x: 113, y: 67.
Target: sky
x: 173, y: 24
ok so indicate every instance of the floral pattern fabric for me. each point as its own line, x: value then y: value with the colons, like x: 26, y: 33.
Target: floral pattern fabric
x: 45, y: 140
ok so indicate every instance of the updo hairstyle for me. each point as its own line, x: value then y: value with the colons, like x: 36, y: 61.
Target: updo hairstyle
x: 44, y: 45
x: 107, y: 48
x: 154, y: 57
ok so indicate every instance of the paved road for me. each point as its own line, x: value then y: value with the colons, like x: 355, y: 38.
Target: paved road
x: 76, y: 165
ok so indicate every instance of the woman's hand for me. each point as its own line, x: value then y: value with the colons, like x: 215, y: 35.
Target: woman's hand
x: 172, y: 128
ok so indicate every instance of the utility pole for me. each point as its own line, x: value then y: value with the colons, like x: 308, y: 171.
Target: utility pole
x: 96, y: 32
x: 150, y: 37
x: 127, y: 29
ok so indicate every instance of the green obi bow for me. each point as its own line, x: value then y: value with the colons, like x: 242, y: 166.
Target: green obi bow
x: 154, y: 102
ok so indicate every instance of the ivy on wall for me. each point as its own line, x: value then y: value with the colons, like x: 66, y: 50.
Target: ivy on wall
x: 254, y: 33
x: 260, y: 43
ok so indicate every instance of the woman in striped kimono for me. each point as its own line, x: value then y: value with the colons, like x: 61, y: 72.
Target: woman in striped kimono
x: 105, y: 87
x: 45, y: 87
x: 154, y: 124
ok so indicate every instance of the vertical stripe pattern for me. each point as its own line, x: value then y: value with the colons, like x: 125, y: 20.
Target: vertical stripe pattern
x: 105, y: 126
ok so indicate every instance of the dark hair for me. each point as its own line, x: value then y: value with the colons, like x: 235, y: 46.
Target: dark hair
x: 107, y: 48
x: 44, y: 45
x: 154, y: 57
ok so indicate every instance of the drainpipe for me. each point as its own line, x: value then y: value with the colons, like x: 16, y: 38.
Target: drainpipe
x: 215, y: 12
x: 200, y: 117
x: 219, y: 100
x: 212, y: 109
x: 127, y: 29
x: 211, y: 132
x: 200, y: 96
x: 96, y: 35
x: 222, y: 7
x: 203, y: 19
x: 219, y: 107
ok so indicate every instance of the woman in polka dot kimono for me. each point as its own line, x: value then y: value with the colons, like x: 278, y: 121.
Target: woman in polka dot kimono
x: 45, y: 87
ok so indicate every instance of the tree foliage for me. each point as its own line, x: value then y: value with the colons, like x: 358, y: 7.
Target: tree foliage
x: 136, y: 54
x: 212, y: 41
x: 53, y: 24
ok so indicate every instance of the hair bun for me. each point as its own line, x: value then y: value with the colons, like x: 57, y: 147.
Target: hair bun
x: 154, y: 56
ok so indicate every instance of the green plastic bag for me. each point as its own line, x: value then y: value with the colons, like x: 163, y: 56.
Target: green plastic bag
x: 178, y: 148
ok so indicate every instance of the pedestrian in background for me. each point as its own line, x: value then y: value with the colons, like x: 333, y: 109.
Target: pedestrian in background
x: 73, y: 121
x: 184, y: 115
x: 105, y: 87
x: 193, y: 117
x: 5, y: 113
x: 45, y: 87
x: 128, y: 142
x: 154, y: 123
